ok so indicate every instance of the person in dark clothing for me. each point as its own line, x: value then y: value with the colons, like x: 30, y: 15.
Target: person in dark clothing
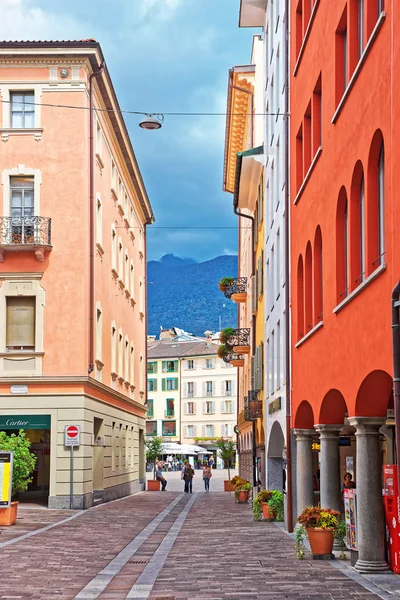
x: 160, y: 477
x: 188, y: 478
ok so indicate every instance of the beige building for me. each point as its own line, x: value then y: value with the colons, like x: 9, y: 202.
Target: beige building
x: 191, y: 392
x: 73, y: 216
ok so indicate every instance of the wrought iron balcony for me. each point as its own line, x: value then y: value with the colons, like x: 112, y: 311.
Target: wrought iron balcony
x: 238, y: 286
x: 170, y: 412
x: 24, y: 233
x: 232, y: 356
x: 252, y: 406
x: 240, y: 340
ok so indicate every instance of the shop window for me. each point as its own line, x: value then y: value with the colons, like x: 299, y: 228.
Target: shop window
x: 20, y: 323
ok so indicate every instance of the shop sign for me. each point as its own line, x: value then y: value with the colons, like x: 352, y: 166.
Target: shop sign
x: 19, y: 389
x: 6, y: 469
x: 316, y: 446
x: 350, y: 512
x: 344, y: 441
x: 24, y: 422
x: 275, y: 405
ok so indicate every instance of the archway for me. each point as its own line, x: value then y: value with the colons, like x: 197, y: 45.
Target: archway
x: 274, y: 458
x: 304, y: 417
x: 333, y: 409
x: 374, y: 395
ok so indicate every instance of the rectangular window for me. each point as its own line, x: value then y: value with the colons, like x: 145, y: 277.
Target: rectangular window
x: 113, y: 348
x: 99, y: 333
x: 22, y: 210
x: 191, y: 431
x: 170, y: 366
x: 151, y: 427
x: 273, y: 367
x: 22, y: 110
x: 150, y: 408
x: 316, y: 117
x: 152, y: 385
x: 120, y: 352
x: 341, y: 57
x: 229, y: 406
x: 190, y: 389
x: 299, y: 157
x: 99, y: 139
x: 170, y: 384
x: 209, y: 407
x: 360, y: 27
x: 209, y: 388
x: 191, y: 408
x: 190, y: 364
x: 99, y: 221
x: 170, y: 410
x: 228, y: 387
x: 169, y: 428
x: 20, y: 322
x: 152, y: 367
x: 210, y: 364
x: 209, y: 430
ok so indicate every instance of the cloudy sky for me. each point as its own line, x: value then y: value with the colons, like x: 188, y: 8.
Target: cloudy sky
x: 163, y: 56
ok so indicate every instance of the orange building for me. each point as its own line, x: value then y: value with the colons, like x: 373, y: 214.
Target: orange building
x: 72, y: 271
x: 344, y: 253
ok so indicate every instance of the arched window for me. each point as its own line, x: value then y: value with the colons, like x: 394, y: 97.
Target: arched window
x: 300, y: 298
x: 342, y: 246
x: 375, y: 204
x: 318, y: 283
x: 357, y: 228
x: 308, y: 300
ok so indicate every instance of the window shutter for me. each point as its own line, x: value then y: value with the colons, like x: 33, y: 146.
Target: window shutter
x: 229, y: 432
x: 212, y: 430
x: 223, y: 406
x: 185, y: 408
x: 164, y: 365
x: 20, y: 330
x: 176, y: 366
x: 233, y: 387
x: 176, y: 383
x: 185, y: 431
x: 204, y: 408
x: 203, y: 431
x: 204, y: 389
x: 194, y: 364
x: 194, y: 408
x: 194, y: 389
x: 213, y: 386
x: 185, y: 389
x: 222, y: 388
x: 213, y: 407
x: 194, y: 430
x: 163, y: 385
x: 213, y: 362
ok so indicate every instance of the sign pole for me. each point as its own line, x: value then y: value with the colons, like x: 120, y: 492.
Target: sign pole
x: 71, y: 492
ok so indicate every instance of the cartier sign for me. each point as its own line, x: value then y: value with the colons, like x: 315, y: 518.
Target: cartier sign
x: 275, y: 405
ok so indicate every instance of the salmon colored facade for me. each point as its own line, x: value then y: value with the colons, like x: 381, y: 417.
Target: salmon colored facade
x: 72, y: 259
x: 344, y: 251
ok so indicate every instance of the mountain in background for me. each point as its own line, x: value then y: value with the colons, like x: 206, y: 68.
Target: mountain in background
x: 185, y: 294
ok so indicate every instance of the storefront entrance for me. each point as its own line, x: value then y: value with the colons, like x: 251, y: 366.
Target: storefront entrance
x: 37, y: 430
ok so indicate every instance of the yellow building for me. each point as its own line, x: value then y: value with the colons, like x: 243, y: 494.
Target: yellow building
x: 243, y: 166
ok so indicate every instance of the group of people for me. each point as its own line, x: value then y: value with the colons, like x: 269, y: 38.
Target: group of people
x: 187, y: 474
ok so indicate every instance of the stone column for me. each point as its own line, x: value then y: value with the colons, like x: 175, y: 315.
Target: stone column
x: 370, y: 513
x: 330, y: 466
x: 304, y: 474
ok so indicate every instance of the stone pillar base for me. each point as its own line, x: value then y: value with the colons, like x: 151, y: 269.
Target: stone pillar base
x: 371, y: 566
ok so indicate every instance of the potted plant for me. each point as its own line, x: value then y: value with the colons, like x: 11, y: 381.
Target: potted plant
x: 223, y: 350
x: 227, y: 449
x: 227, y: 334
x: 154, y: 449
x: 242, y: 490
x: 23, y: 465
x: 275, y: 504
x: 225, y: 283
x: 262, y: 499
x: 320, y: 525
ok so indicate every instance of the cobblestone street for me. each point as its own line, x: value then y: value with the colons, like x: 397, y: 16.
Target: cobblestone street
x: 162, y: 546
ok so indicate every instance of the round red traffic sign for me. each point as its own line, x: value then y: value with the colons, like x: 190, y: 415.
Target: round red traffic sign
x: 72, y: 431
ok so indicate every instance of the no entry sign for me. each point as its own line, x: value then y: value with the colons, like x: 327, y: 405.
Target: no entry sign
x: 72, y: 435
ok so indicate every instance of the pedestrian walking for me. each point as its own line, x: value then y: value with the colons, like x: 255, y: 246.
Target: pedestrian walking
x: 160, y: 477
x: 188, y: 475
x: 211, y: 462
x: 206, y: 478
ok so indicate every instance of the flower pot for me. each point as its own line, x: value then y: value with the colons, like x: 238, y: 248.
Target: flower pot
x: 241, y: 349
x: 243, y: 496
x: 321, y: 540
x: 153, y: 485
x: 8, y: 515
x: 228, y: 486
x: 268, y: 514
x: 237, y: 363
x: 239, y: 297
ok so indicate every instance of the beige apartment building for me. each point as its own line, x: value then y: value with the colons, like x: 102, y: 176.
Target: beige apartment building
x: 73, y: 216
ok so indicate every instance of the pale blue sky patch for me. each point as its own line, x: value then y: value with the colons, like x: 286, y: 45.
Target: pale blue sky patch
x: 163, y: 56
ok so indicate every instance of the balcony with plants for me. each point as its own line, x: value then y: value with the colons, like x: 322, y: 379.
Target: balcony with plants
x: 234, y: 288
x: 237, y: 339
x: 226, y: 353
x: 21, y: 234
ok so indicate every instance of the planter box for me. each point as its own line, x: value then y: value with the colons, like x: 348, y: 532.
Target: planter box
x: 241, y: 349
x: 228, y: 486
x: 321, y: 542
x: 8, y: 515
x: 153, y: 485
x: 237, y: 363
x: 243, y: 496
x: 239, y: 297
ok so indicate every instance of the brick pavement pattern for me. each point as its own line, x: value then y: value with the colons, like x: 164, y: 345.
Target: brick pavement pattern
x: 220, y: 553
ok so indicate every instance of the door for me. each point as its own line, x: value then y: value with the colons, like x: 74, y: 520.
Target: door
x: 22, y: 210
x: 98, y: 455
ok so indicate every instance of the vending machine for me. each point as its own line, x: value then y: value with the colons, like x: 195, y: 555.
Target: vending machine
x: 392, y: 516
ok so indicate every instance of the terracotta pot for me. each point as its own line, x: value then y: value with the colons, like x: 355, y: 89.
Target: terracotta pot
x: 153, y: 485
x: 228, y: 486
x: 237, y: 363
x: 242, y: 297
x: 241, y: 349
x: 243, y: 496
x: 321, y: 540
x: 268, y: 514
x: 8, y: 515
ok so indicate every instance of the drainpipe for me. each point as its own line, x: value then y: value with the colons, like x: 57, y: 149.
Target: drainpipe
x: 91, y: 220
x: 396, y: 367
x: 289, y: 486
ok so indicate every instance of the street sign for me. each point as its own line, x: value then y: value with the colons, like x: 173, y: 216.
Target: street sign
x: 6, y: 471
x: 72, y: 435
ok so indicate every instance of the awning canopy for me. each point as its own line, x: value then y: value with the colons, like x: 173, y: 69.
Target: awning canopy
x: 190, y: 449
x: 249, y: 166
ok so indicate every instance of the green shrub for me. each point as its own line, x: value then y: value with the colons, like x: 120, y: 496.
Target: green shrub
x: 275, y: 504
x: 24, y: 460
x: 154, y: 450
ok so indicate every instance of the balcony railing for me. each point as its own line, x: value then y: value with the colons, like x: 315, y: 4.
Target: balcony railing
x: 170, y: 412
x: 252, y: 406
x: 238, y: 286
x: 241, y: 337
x: 150, y: 413
x: 23, y: 233
x: 228, y: 358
